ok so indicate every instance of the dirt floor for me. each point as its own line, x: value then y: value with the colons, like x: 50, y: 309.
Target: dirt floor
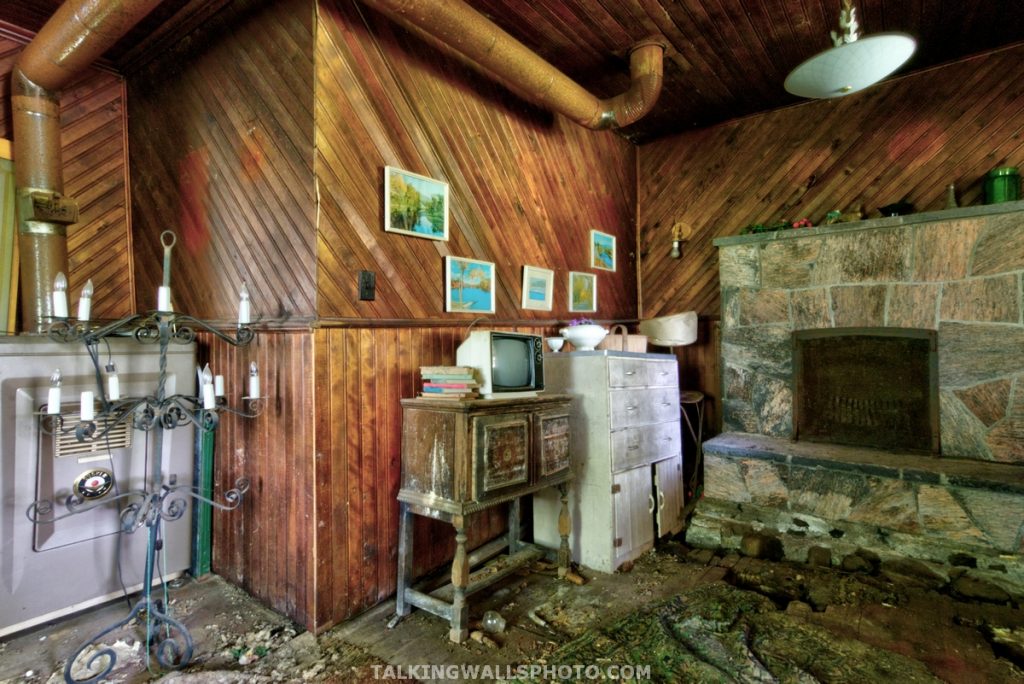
x: 685, y: 615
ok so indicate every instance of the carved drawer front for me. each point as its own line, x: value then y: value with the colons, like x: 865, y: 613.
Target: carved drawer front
x: 501, y: 448
x: 627, y: 372
x: 643, y: 407
x: 553, y: 447
x: 645, y: 444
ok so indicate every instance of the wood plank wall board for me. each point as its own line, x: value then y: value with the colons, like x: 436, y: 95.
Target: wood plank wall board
x: 95, y: 158
x: 222, y: 152
x: 906, y: 138
x: 526, y: 186
x: 266, y: 545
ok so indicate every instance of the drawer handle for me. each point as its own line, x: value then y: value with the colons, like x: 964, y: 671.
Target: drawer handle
x: 631, y: 408
x: 663, y: 373
x: 666, y: 439
x: 666, y: 403
x: 632, y: 447
x: 661, y: 499
x: 650, y: 503
x: 630, y: 372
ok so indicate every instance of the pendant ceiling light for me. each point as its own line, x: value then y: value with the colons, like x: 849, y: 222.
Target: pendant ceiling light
x: 853, y: 64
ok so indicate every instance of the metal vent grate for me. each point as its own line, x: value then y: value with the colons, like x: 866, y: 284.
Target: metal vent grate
x: 67, y: 444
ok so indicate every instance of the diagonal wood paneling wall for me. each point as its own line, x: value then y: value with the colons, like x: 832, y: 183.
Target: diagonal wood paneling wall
x: 222, y: 153
x: 271, y: 171
x: 526, y: 186
x: 905, y: 139
x: 95, y: 160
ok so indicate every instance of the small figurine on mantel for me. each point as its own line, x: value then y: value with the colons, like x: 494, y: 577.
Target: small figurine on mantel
x: 836, y: 216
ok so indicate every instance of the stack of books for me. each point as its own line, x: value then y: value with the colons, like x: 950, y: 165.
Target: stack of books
x: 449, y: 382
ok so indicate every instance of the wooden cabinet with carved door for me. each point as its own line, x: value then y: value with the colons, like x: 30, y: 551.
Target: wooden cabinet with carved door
x: 460, y: 457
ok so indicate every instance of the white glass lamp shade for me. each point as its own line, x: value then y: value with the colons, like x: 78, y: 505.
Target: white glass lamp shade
x: 851, y: 67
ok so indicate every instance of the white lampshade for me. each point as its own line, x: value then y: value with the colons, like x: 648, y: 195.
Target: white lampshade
x: 851, y: 67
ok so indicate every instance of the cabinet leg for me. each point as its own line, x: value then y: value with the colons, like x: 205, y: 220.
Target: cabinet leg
x: 405, y: 528
x: 513, y: 526
x: 564, y: 525
x: 460, y: 579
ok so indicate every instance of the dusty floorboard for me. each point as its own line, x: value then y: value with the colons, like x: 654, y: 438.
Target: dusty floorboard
x: 912, y: 622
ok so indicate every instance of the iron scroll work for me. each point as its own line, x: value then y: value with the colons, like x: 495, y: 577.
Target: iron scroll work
x: 170, y: 639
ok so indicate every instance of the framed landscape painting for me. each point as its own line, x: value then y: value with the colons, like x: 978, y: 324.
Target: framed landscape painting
x: 468, y: 285
x: 538, y: 284
x: 415, y: 205
x: 602, y: 250
x: 582, y: 291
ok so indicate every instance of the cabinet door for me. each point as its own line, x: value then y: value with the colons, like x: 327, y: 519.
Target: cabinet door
x: 668, y: 484
x: 501, y: 451
x: 633, y: 499
x: 552, y: 445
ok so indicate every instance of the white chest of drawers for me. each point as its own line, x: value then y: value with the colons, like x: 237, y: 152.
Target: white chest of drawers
x: 626, y: 430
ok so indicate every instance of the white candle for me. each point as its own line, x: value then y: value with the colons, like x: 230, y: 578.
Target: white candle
x: 87, y: 410
x: 244, y: 315
x: 254, y: 381
x: 209, y: 401
x: 53, y: 396
x: 85, y: 302
x: 218, y: 385
x: 53, y: 401
x: 60, y: 296
x: 113, y: 387
x: 163, y: 299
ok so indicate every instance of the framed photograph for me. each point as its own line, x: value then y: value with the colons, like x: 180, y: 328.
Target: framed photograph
x: 415, y: 205
x: 582, y: 291
x: 538, y: 285
x: 602, y: 250
x: 468, y: 285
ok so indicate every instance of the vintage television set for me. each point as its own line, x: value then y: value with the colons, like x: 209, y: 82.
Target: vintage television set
x: 510, y: 364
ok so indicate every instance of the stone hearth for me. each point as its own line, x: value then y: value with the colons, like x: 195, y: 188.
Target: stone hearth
x: 956, y: 272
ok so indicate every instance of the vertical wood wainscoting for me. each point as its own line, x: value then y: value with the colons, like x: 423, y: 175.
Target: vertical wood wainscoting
x: 317, y: 536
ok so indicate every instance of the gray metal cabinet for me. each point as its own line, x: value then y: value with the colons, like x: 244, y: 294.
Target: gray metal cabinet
x: 628, y: 479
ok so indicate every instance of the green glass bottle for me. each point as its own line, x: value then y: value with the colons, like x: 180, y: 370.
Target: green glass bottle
x: 1002, y: 185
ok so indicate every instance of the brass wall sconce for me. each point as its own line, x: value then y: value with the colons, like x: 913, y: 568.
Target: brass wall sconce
x: 680, y: 232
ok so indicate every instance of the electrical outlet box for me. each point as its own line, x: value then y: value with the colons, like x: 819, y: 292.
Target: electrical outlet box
x: 367, y: 285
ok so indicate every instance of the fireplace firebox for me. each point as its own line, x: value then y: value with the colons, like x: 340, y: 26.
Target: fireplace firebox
x: 874, y: 387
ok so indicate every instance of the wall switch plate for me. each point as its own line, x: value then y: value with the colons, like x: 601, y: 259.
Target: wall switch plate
x: 367, y: 286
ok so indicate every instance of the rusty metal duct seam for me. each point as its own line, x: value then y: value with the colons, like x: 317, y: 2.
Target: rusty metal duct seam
x: 77, y: 33
x: 463, y: 30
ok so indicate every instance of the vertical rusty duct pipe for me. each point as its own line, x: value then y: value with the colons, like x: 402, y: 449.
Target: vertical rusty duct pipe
x: 77, y: 33
x: 475, y: 38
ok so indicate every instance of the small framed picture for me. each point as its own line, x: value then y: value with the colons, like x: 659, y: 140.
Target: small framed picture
x: 582, y: 291
x: 468, y: 285
x: 538, y: 285
x: 602, y: 250
x: 415, y: 205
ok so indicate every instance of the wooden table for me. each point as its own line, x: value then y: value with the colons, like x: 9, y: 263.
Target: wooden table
x: 461, y: 457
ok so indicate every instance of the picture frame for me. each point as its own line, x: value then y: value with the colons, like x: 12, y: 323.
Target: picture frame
x: 582, y: 292
x: 415, y: 205
x: 469, y: 285
x: 602, y: 250
x: 538, y: 287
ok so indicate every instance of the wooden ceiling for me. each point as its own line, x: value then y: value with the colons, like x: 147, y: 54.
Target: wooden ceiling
x: 727, y: 58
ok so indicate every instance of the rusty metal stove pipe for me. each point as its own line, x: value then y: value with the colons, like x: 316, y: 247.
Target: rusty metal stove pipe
x: 456, y: 26
x: 77, y: 33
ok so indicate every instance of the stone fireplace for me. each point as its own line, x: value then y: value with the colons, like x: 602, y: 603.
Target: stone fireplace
x: 910, y: 442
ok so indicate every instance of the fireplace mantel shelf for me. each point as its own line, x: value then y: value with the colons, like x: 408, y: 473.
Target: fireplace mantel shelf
x: 872, y: 224
x: 913, y: 467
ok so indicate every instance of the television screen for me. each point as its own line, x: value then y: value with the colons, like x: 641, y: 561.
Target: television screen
x: 511, y: 362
